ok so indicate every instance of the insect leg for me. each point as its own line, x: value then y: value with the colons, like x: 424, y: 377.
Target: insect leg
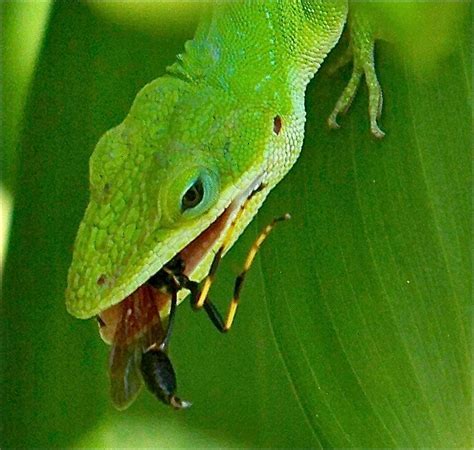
x: 168, y: 280
x: 174, y: 302
x: 239, y: 281
x: 211, y: 310
x: 198, y: 300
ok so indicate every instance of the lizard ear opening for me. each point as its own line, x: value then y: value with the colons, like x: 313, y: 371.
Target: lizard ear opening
x: 277, y: 125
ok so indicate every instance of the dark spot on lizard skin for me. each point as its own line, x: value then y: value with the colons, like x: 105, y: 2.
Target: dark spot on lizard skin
x: 277, y: 125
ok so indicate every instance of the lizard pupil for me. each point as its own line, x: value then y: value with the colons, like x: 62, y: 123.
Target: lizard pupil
x: 193, y: 196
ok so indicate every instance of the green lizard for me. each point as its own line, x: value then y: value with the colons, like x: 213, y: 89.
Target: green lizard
x: 175, y: 184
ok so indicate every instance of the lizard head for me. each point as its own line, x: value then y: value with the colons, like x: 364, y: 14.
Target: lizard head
x: 169, y: 179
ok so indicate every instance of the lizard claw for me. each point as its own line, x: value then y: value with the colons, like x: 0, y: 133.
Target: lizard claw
x: 375, y: 98
x: 332, y: 121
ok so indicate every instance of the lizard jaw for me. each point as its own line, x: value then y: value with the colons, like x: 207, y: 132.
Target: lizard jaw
x: 192, y: 255
x: 134, y: 326
x: 196, y: 250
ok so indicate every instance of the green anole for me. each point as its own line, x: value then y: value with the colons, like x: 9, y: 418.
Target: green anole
x: 175, y: 184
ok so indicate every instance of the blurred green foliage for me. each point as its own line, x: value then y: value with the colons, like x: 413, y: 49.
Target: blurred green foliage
x: 18, y: 57
x: 354, y: 329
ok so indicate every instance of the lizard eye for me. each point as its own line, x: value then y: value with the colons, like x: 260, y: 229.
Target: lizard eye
x: 188, y: 194
x: 193, y: 196
x: 200, y: 193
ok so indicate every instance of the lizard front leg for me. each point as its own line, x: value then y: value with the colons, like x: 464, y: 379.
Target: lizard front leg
x: 362, y: 50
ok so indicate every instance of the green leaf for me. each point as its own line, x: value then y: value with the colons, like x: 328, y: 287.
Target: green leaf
x: 372, y: 318
x: 354, y: 328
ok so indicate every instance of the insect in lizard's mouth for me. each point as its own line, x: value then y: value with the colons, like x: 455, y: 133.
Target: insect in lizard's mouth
x: 134, y: 325
x: 191, y: 256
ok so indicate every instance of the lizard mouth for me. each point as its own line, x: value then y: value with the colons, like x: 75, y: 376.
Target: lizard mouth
x: 141, y: 309
x: 134, y: 325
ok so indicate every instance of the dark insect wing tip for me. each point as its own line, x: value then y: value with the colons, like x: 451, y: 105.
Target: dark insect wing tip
x: 125, y: 377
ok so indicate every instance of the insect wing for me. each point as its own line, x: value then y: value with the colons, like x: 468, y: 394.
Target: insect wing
x: 139, y: 328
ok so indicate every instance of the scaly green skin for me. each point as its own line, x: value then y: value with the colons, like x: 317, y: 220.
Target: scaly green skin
x: 213, y: 112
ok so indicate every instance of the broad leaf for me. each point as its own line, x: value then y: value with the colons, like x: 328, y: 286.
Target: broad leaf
x: 354, y: 327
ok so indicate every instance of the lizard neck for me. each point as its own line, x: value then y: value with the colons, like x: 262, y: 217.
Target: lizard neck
x: 261, y: 48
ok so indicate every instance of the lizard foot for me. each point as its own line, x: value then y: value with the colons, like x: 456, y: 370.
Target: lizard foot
x: 362, y: 46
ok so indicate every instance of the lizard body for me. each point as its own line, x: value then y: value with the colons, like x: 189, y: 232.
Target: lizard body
x: 203, y: 145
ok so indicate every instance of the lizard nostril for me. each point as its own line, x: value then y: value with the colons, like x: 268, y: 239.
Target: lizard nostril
x: 101, y: 280
x: 277, y: 125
